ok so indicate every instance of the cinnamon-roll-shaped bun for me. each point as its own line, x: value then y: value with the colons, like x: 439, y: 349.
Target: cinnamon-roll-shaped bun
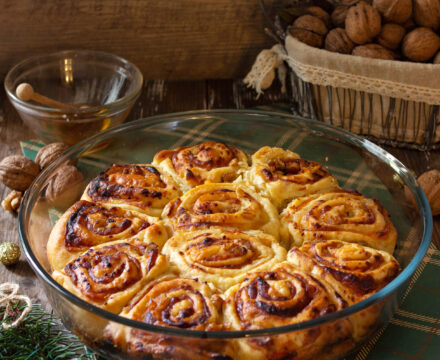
x: 283, y: 175
x: 210, y: 161
x: 109, y: 275
x: 223, y: 257
x: 86, y: 224
x: 341, y: 214
x: 172, y: 302
x: 354, y: 270
x: 283, y: 296
x: 140, y: 187
x: 230, y: 206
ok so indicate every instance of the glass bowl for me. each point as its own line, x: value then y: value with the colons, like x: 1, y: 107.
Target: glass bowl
x: 103, y: 87
x: 357, y: 163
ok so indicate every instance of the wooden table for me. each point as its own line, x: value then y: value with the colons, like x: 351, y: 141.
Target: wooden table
x: 158, y: 97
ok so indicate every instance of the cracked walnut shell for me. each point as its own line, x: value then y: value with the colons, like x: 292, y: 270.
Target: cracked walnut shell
x: 421, y: 44
x: 363, y: 23
x: 17, y: 172
x: 310, y: 30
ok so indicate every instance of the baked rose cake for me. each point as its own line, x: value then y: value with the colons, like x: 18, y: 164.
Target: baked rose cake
x: 205, y: 238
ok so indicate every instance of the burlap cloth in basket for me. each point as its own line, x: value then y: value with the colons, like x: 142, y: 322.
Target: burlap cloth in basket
x: 382, y: 79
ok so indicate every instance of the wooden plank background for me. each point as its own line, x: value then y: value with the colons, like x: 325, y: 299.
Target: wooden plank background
x: 167, y: 39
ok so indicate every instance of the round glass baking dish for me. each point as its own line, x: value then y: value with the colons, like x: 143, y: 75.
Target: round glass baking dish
x: 357, y: 163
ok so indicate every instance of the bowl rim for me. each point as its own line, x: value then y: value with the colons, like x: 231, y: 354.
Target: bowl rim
x: 104, y: 109
x: 402, y: 278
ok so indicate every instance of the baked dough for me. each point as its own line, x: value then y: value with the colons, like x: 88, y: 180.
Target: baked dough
x: 109, y: 275
x: 229, y: 206
x: 282, y: 297
x: 173, y: 302
x: 210, y: 161
x: 223, y: 257
x: 283, y: 175
x: 139, y: 187
x: 86, y: 224
x: 341, y: 214
x: 354, y: 271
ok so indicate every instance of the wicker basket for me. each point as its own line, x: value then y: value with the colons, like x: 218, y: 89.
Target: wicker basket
x: 385, y: 119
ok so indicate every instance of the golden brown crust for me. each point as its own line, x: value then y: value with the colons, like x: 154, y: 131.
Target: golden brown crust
x: 223, y: 257
x: 174, y: 302
x: 283, y: 175
x: 140, y: 187
x: 109, y: 275
x: 210, y: 161
x: 230, y: 206
x: 86, y: 224
x: 281, y: 297
x: 342, y: 214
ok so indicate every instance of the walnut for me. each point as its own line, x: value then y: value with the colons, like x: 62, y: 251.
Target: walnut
x: 373, y: 51
x: 391, y: 36
x: 396, y: 11
x: 309, y: 29
x: 421, y: 44
x: 64, y: 186
x: 436, y: 58
x: 18, y: 172
x: 320, y: 13
x: 362, y: 23
x: 12, y: 201
x: 49, y: 153
x: 337, y: 40
x: 409, y: 24
x: 339, y: 14
x: 430, y: 183
x: 427, y: 13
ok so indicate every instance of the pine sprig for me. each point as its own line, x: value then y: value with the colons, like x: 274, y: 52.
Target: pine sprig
x: 40, y: 336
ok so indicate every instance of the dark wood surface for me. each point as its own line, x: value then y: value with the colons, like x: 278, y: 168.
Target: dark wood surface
x: 159, y: 97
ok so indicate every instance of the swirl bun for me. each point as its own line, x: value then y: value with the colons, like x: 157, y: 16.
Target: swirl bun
x: 355, y: 271
x: 344, y: 215
x: 229, y: 206
x: 86, y: 224
x: 282, y: 175
x: 223, y: 257
x: 281, y: 297
x: 172, y: 302
x: 109, y: 275
x: 210, y: 161
x: 140, y: 187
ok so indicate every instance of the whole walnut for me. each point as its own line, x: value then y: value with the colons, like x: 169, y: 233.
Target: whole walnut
x: 430, y: 183
x: 363, y: 23
x: 427, y: 13
x: 391, y: 36
x: 49, y: 153
x: 373, y: 51
x: 337, y: 40
x: 64, y: 186
x: 320, y: 13
x: 17, y: 172
x: 409, y: 24
x: 309, y: 29
x: 421, y: 44
x: 397, y: 11
x: 339, y: 14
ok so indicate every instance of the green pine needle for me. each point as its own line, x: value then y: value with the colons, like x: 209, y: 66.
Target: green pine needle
x: 40, y: 336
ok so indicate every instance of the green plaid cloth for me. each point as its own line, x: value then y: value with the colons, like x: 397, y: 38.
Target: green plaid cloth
x: 414, y: 331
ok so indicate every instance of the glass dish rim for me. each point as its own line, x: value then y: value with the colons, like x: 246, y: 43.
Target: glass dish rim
x: 58, y: 54
x: 403, y: 277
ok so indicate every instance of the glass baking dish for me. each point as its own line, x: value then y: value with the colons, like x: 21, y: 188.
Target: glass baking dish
x: 355, y: 162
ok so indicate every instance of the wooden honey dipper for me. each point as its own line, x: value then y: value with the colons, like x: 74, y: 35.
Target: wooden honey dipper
x: 26, y: 92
